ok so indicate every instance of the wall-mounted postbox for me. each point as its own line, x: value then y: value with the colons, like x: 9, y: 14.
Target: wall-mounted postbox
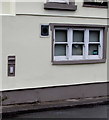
x: 11, y: 66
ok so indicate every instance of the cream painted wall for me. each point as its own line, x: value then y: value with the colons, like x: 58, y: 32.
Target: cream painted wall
x: 37, y: 8
x: 108, y: 46
x: 108, y: 57
x: 21, y: 37
x: 0, y: 53
x: 8, y: 7
x: 108, y: 50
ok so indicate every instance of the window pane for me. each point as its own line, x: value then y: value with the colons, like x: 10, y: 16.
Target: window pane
x: 78, y: 36
x: 60, y: 50
x: 60, y: 35
x: 77, y: 50
x: 93, y: 49
x: 94, y: 36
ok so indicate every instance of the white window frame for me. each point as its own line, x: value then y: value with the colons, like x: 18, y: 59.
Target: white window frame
x: 100, y: 49
x: 85, y: 56
x: 59, y: 1
x: 59, y: 58
x: 76, y: 57
x: 100, y: 1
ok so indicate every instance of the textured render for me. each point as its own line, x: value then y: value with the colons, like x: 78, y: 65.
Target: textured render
x: 21, y: 37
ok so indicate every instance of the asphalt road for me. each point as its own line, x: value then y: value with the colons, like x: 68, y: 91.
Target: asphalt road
x: 97, y: 111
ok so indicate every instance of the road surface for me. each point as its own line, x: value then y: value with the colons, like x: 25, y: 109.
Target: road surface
x: 97, y: 111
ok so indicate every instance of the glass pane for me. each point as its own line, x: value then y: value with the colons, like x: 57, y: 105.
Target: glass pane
x: 94, y: 36
x: 60, y: 50
x: 78, y: 36
x: 60, y: 35
x: 93, y: 49
x: 77, y: 50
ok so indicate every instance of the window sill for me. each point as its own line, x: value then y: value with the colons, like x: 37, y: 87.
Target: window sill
x: 60, y: 6
x: 78, y: 62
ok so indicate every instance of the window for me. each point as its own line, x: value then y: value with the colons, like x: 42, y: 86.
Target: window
x: 60, y: 5
x: 78, y: 45
x: 96, y: 3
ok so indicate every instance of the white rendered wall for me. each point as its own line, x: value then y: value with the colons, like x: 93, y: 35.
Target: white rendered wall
x: 0, y: 53
x: 7, y: 7
x: 21, y: 37
x: 37, y: 8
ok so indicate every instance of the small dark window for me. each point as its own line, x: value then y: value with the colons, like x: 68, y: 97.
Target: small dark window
x: 44, y: 30
x: 96, y: 3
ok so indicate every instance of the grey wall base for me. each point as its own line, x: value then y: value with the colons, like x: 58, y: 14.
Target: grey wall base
x: 55, y: 93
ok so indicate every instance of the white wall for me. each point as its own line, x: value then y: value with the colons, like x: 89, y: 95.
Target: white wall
x: 10, y: 7
x: 7, y: 7
x: 21, y: 37
x: 37, y: 8
x: 0, y: 53
x: 108, y: 47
